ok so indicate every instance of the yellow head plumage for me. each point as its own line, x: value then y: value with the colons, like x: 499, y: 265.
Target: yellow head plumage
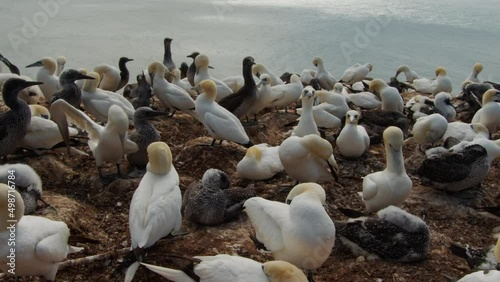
x: 91, y: 85
x: 11, y: 203
x: 377, y: 85
x: 393, y: 136
x: 309, y: 187
x: 317, y: 60
x: 160, y: 158
x: 282, y: 271
x: 201, y: 61
x: 478, y: 67
x: 317, y: 146
x: 254, y: 152
x: 440, y: 71
x: 489, y: 96
x: 209, y: 88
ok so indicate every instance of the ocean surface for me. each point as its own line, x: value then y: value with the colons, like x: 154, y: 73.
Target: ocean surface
x: 284, y: 35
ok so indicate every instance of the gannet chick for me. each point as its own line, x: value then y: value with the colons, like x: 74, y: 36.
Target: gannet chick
x: 392, y: 185
x: 391, y: 99
x: 442, y: 83
x: 489, y: 114
x: 481, y: 276
x: 167, y: 55
x: 306, y: 75
x: 456, y: 171
x: 171, y: 95
x: 70, y: 92
x: 109, y: 77
x: 274, y: 80
x: 306, y: 125
x: 465, y: 131
x: 285, y: 94
x: 155, y: 209
x: 356, y: 73
x: 98, y: 101
x: 476, y: 69
x: 212, y: 201
x: 192, y: 68
x: 46, y: 74
x: 479, y: 258
x: 299, y: 232
x: 15, y: 122
x: 240, y: 102
x: 429, y: 129
x: 107, y: 143
x: 41, y: 243
x: 393, y: 235
x: 202, y: 65
x: 28, y: 183
x: 231, y: 268
x: 410, y: 75
x: 145, y: 133
x: 184, y: 84
x: 143, y: 93
x: 124, y: 73
x: 308, y: 159
x: 219, y: 122
x: 353, y: 140
x: 12, y: 68
x: 326, y: 79
x: 260, y: 162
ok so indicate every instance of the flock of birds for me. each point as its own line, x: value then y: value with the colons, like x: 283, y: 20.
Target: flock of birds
x: 62, y: 105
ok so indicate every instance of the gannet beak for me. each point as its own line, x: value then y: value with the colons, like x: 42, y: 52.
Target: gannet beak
x: 397, y: 73
x: 152, y: 76
x: 351, y: 118
x: 129, y: 60
x: 83, y: 76
x: 35, y: 64
x: 155, y: 114
x: 210, y: 67
x: 31, y: 83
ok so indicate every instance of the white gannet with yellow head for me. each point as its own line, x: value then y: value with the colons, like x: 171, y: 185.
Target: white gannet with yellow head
x: 260, y: 162
x: 476, y: 69
x: 353, y: 140
x: 285, y: 94
x: 109, y: 77
x: 273, y: 79
x: 441, y: 83
x: 428, y: 129
x: 46, y: 74
x: 356, y: 73
x: 409, y: 74
x: 306, y: 125
x: 391, y: 99
x: 489, y: 114
x: 202, y: 64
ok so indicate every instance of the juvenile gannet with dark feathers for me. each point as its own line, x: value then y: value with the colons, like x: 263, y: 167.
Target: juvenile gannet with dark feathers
x: 489, y: 114
x: 12, y: 68
x: 109, y: 77
x: 391, y: 99
x: 353, y: 140
x: 107, y: 143
x: 300, y: 232
x: 124, y: 73
x: 15, y: 122
x: 308, y: 159
x: 219, y: 122
x: 145, y: 133
x: 61, y: 61
x: 226, y: 268
x: 410, y: 75
x: 41, y: 243
x: 392, y: 185
x: 473, y: 94
x: 143, y: 93
x: 479, y: 258
x: 46, y: 74
x: 155, y: 209
x: 242, y: 100
x: 70, y: 92
x: 393, y: 235
x: 476, y: 69
x: 202, y: 65
x: 28, y: 184
x: 192, y: 68
x: 167, y: 55
x: 274, y: 80
x: 326, y: 79
x: 306, y: 125
x: 260, y: 162
x: 492, y: 146
x: 356, y: 73
x: 212, y: 201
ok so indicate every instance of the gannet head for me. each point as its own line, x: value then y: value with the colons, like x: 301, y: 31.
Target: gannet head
x: 377, y: 85
x: 308, y: 93
x: 338, y: 87
x: 214, y: 178
x: 401, y: 69
x: 317, y: 61
x: 282, y: 271
x: 440, y: 71
x: 295, y: 79
x: 61, y: 60
x: 193, y: 55
x: 310, y: 188
x: 443, y: 97
x: 478, y: 67
x: 489, y: 96
x: 257, y: 68
x: 465, y: 84
x: 91, y: 85
x: 177, y: 74
x: 160, y: 158
x: 39, y: 111
x: 11, y: 205
x: 209, y: 88
x: 201, y: 61
x: 45, y: 62
x: 393, y: 138
x: 352, y: 117
x: 254, y: 152
x: 317, y: 146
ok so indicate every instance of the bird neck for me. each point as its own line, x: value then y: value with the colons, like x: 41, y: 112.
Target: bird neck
x: 123, y: 68
x: 394, y: 159
x: 167, y: 54
x: 248, y: 76
x: 90, y: 86
x: 14, y: 103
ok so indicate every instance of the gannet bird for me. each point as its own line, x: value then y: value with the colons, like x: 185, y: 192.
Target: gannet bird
x: 212, y: 201
x: 285, y: 94
x: 80, y: 83
x: 379, y: 120
x: 423, y: 106
x: 479, y: 258
x: 391, y: 99
x: 482, y: 276
x: 338, y: 88
x: 456, y: 171
x: 28, y: 184
x: 107, y: 143
x: 145, y: 133
x: 308, y: 159
x: 70, y: 92
x: 47, y: 75
x: 264, y: 96
x: 299, y: 232
x: 260, y: 68
x: 306, y: 125
x: 353, y: 140
x: 326, y: 79
x: 143, y: 93
x: 12, y: 68
x: 109, y: 77
x: 240, y: 102
x: 169, y: 94
x: 365, y: 100
x: 306, y: 75
x: 124, y: 73
x: 31, y: 94
x: 442, y: 83
x: 356, y: 73
x: 43, y: 133
x: 476, y: 69
x: 322, y: 117
x: 221, y: 268
x: 400, y: 86
x: 155, y: 209
x: 492, y: 146
x: 202, y: 65
x: 183, y: 83
x: 15, y: 122
x: 428, y: 129
x: 410, y: 75
x: 393, y: 235
x: 219, y: 122
x: 260, y: 162
x: 61, y: 61
x: 489, y: 114
x: 167, y: 55
x: 473, y: 94
x: 465, y: 131
x: 332, y: 102
x: 41, y: 243
x: 192, y: 68
x: 97, y: 101
x: 392, y: 185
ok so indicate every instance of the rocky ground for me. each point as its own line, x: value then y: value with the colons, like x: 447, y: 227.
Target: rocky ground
x: 100, y: 213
